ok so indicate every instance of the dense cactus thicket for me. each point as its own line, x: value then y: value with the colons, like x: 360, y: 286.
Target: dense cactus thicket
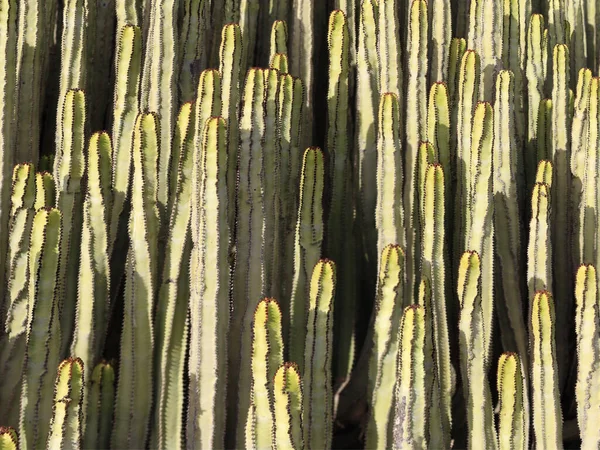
x: 299, y: 224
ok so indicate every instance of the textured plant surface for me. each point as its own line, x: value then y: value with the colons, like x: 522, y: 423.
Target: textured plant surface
x: 299, y: 224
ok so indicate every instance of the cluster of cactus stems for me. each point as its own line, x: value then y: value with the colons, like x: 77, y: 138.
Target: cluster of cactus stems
x: 198, y: 212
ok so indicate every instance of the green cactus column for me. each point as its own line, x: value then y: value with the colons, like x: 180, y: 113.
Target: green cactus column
x: 287, y: 407
x: 410, y: 426
x: 134, y: 390
x: 158, y: 91
x: 587, y: 389
x: 307, y: 247
x: 66, y: 427
x: 547, y: 415
x: 561, y: 237
x: 100, y: 407
x: 474, y: 359
x: 69, y: 169
x: 209, y: 290
x: 318, y: 414
x: 513, y: 427
x: 506, y: 218
x: 128, y: 61
x: 8, y: 91
x: 43, y: 330
x: 384, y: 353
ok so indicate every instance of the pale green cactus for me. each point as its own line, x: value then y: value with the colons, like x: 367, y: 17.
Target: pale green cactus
x: 513, y: 427
x: 410, y: 428
x: 583, y: 135
x: 158, y: 91
x: 438, y: 134
x: 43, y: 330
x: 279, y: 62
x: 416, y: 131
x: 287, y: 407
x: 100, y: 406
x: 279, y: 38
x: 8, y: 438
x: 561, y: 229
x: 480, y: 232
x: 587, y: 389
x: 45, y: 190
x: 69, y: 169
x: 128, y: 62
x: 585, y: 221
x: 66, y: 427
x: 473, y: 352
x: 544, y: 173
x: 289, y: 116
x: 433, y: 269
x: 539, y: 250
x: 93, y: 289
x: 307, y: 248
x: 230, y: 55
x: 536, y: 77
x: 317, y: 419
x: 73, y: 67
x: 23, y: 188
x: 209, y: 289
x: 506, y: 218
x: 547, y: 415
x: 389, y: 211
x: 267, y: 357
x: 384, y: 353
x: 440, y: 12
x: 367, y: 101
x: 389, y: 49
x: 132, y: 418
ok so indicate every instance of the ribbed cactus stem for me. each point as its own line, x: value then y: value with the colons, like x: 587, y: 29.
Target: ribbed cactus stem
x: 539, y: 250
x: 45, y: 191
x: 23, y: 187
x: 43, y: 330
x: 66, y: 427
x: 544, y: 130
x: 506, y: 217
x: 132, y: 418
x: 544, y: 173
x: 585, y: 219
x: 389, y: 212
x: 289, y: 117
x: 267, y: 357
x: 536, y: 76
x: 230, y: 59
x: 307, y: 247
x: 410, y: 428
x: 389, y: 50
x: 433, y: 268
x: 279, y: 61
x: 171, y: 315
x: 367, y: 100
x: 279, y: 38
x: 93, y: 291
x: 128, y: 68
x: 513, y: 429
x: 587, y: 389
x: 209, y: 276
x: 480, y: 233
x: 100, y: 407
x: 73, y: 69
x: 480, y: 416
x: 441, y: 38
x: 249, y: 283
x: 158, y: 91
x: 287, y: 407
x: 69, y: 168
x: 561, y: 237
x: 384, y: 354
x: 547, y: 415
x: 318, y: 419
x: 416, y: 131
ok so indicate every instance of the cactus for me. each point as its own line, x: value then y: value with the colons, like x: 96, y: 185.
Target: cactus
x: 317, y: 419
x: 66, y: 427
x: 99, y: 410
x: 8, y: 438
x: 287, y: 407
x: 513, y: 427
